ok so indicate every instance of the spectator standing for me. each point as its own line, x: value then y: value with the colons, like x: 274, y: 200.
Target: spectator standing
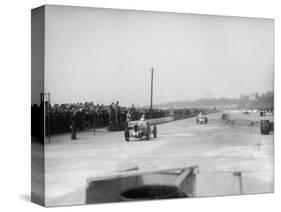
x: 73, y: 125
x: 117, y: 112
x: 128, y: 118
x: 133, y: 113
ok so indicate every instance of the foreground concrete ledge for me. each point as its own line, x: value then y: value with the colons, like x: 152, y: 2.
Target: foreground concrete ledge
x: 108, y: 188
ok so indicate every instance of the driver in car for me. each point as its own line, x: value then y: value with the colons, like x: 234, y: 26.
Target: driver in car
x: 140, y: 126
x: 142, y: 122
x: 200, y: 116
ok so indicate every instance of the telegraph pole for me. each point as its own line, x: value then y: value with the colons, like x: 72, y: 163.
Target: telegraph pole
x: 151, y: 92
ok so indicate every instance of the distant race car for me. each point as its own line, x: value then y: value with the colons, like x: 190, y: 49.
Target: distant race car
x: 225, y: 116
x: 201, y: 120
x: 266, y: 127
x: 139, y: 129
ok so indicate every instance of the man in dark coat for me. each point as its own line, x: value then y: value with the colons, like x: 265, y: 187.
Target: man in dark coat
x: 117, y: 112
x: 73, y: 125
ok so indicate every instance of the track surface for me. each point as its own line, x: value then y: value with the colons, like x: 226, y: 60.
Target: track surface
x: 218, y: 148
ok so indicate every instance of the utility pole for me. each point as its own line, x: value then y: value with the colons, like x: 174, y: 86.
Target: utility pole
x: 151, y: 92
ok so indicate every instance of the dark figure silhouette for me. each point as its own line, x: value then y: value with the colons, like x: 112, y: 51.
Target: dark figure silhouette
x: 73, y: 125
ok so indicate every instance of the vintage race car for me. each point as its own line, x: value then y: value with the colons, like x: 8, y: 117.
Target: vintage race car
x: 138, y: 129
x: 266, y: 127
x: 225, y: 116
x: 201, y: 120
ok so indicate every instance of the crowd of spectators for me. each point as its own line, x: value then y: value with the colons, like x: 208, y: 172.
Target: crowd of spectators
x: 89, y: 115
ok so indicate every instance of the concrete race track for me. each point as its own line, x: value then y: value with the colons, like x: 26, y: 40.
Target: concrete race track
x: 218, y: 148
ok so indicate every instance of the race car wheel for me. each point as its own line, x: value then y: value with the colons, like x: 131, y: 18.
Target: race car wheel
x: 127, y: 134
x: 147, y: 135
x: 155, y: 131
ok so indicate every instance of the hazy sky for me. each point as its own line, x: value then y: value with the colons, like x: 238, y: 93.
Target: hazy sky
x: 104, y: 55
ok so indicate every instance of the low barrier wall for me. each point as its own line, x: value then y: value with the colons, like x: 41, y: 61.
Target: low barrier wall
x: 161, y: 120
x: 155, y: 121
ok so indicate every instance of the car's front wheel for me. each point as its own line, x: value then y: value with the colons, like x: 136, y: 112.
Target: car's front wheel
x: 127, y: 134
x: 147, y: 135
x: 155, y: 131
